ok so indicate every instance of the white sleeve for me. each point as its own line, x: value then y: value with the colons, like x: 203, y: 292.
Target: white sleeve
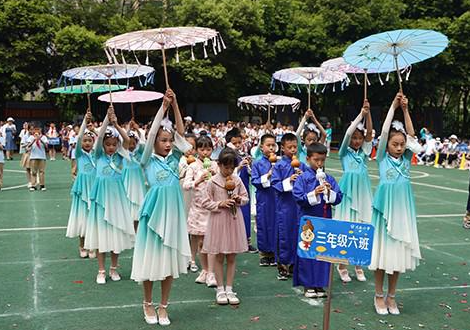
x: 330, y: 198
x: 265, y: 181
x: 413, y: 145
x: 287, y: 184
x: 367, y: 147
x: 312, y: 199
x: 181, y: 143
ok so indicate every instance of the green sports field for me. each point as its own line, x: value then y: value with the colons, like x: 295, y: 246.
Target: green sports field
x: 44, y: 284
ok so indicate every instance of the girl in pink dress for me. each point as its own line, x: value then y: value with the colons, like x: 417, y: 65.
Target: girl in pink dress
x: 225, y: 235
x: 197, y: 177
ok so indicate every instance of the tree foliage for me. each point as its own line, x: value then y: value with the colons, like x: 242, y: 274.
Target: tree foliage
x: 41, y: 38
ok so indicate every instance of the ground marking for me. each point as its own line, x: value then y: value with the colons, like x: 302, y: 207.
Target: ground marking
x: 28, y: 200
x: 439, y: 215
x: 199, y: 301
x: 37, y: 262
x: 428, y: 247
x: 416, y: 183
x: 15, y: 187
x: 32, y: 228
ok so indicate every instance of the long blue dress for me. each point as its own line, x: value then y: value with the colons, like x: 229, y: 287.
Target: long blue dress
x: 134, y: 181
x: 162, y: 246
x: 109, y: 224
x: 10, y: 139
x: 81, y: 192
x: 285, y: 230
x: 396, y: 242
x: 311, y: 273
x: 265, y: 209
x: 355, y: 184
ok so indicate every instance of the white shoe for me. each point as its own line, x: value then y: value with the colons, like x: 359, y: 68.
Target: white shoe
x: 379, y: 310
x: 101, y: 277
x: 91, y: 254
x: 343, y: 273
x: 232, y: 298
x: 83, y: 253
x: 163, y: 320
x: 210, y: 280
x: 193, y: 267
x: 201, y: 279
x: 114, y: 274
x: 360, y: 275
x: 149, y: 319
x: 393, y: 310
x: 221, y: 298
x: 310, y: 293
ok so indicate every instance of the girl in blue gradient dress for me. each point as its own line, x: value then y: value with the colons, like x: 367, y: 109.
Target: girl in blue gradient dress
x: 396, y: 243
x: 355, y: 183
x: 162, y: 249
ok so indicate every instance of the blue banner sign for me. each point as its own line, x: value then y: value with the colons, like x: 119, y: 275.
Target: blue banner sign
x: 335, y: 241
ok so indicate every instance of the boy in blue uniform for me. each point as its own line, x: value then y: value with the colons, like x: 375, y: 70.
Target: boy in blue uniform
x: 234, y: 140
x: 265, y: 200
x: 282, y: 180
x: 315, y: 192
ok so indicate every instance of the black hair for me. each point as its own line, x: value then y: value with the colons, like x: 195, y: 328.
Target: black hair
x: 316, y: 148
x: 288, y: 138
x: 267, y: 136
x: 307, y: 132
x: 204, y: 142
x: 203, y: 132
x: 190, y: 136
x: 233, y: 133
x: 228, y: 157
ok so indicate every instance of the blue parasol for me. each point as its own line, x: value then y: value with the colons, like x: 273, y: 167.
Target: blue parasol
x: 107, y: 72
x: 392, y: 50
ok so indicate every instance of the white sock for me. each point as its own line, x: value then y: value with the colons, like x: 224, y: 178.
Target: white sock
x: 220, y: 289
x: 228, y: 288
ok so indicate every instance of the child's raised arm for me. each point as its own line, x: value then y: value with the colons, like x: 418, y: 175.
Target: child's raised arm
x: 406, y: 114
x: 149, y: 145
x: 99, y: 140
x: 352, y: 128
x: 177, y: 112
x: 307, y: 114
x: 122, y: 132
x: 81, y: 132
x: 386, y: 127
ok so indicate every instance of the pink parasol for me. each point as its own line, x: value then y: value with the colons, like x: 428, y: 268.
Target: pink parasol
x: 131, y: 96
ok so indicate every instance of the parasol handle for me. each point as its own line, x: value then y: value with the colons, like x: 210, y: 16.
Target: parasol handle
x: 89, y: 102
x: 110, y: 94
x: 365, y: 84
x: 395, y: 56
x: 164, y: 67
x: 269, y: 113
x: 132, y: 111
x: 308, y: 95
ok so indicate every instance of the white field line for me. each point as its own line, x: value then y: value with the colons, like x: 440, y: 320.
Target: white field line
x: 31, y: 228
x: 37, y: 261
x: 15, y: 171
x: 440, y: 215
x: 15, y: 187
x: 53, y: 261
x: 28, y: 200
x: 416, y: 183
x: 199, y: 301
x: 428, y: 247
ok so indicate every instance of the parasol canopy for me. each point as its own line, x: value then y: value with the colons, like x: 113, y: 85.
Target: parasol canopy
x: 88, y: 88
x: 165, y: 38
x: 267, y: 101
x: 309, y: 76
x: 131, y: 96
x: 107, y: 72
x: 392, y: 50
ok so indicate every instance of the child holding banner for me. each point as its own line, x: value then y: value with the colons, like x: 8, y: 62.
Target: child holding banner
x: 396, y: 243
x: 355, y: 183
x: 315, y: 192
